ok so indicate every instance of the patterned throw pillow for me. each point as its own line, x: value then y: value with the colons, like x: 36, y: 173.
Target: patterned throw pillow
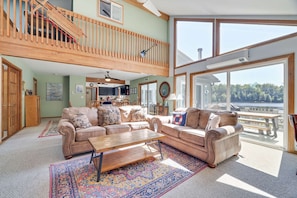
x: 111, y: 116
x: 179, y: 118
x: 213, y: 122
x: 81, y: 121
x: 137, y: 115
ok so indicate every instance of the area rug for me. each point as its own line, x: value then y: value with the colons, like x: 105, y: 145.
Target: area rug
x: 51, y: 129
x: 147, y: 178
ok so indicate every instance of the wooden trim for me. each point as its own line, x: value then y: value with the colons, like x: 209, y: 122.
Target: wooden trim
x: 216, y: 33
x: 290, y: 94
x: 102, y: 80
x: 139, y: 5
x: 174, y: 85
x: 291, y: 101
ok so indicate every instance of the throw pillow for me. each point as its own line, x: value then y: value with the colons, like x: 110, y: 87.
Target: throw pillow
x: 213, y: 122
x: 111, y: 116
x: 179, y: 118
x: 137, y: 115
x: 81, y: 121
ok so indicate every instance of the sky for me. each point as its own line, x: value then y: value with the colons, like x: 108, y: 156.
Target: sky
x: 233, y: 36
x: 273, y: 74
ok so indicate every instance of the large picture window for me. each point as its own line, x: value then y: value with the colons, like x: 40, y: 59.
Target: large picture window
x: 194, y: 41
x: 234, y: 35
x: 180, y: 91
x: 197, y: 39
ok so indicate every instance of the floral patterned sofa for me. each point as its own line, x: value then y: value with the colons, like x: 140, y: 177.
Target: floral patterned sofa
x: 77, y: 124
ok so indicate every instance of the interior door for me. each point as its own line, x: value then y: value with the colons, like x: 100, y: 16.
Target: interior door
x: 11, y: 99
x: 13, y: 104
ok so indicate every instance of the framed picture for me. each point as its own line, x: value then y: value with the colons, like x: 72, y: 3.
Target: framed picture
x: 79, y: 89
x: 54, y: 91
x: 110, y: 10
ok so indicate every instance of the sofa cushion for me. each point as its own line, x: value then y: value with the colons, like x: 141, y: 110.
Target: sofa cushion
x: 80, y: 121
x: 203, y: 118
x: 117, y: 128
x: 93, y: 131
x: 179, y: 118
x: 173, y: 129
x: 213, y: 122
x: 228, y: 118
x: 138, y: 125
x: 195, y: 136
x: 108, y: 115
x: 192, y: 117
x: 137, y: 115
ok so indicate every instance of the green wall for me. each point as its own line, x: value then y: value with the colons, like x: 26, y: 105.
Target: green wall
x: 77, y: 99
x: 51, y: 108
x: 135, y: 19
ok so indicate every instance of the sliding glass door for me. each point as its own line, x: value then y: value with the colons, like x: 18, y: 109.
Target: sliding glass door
x: 257, y: 93
x: 149, y: 96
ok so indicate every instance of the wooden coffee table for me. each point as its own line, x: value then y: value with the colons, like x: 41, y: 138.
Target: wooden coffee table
x: 115, y: 153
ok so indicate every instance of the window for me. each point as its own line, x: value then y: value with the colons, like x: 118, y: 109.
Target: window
x: 234, y: 35
x: 210, y: 91
x: 194, y: 41
x: 149, y: 96
x: 195, y: 37
x: 254, y: 89
x: 180, y: 91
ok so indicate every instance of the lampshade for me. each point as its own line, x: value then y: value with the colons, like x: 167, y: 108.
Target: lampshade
x: 172, y: 96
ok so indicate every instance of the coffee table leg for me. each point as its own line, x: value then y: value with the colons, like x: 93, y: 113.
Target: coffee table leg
x: 92, y: 157
x: 160, y: 149
x: 100, y: 166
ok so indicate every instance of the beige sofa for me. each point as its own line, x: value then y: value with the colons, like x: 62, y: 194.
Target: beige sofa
x: 77, y: 124
x: 212, y: 145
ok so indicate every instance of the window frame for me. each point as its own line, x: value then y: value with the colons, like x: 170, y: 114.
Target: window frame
x: 216, y: 33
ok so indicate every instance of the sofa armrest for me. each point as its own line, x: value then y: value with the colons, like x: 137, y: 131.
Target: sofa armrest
x: 223, y: 131
x: 159, y: 120
x: 67, y: 130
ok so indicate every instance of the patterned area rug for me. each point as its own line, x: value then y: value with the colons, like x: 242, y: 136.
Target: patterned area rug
x: 51, y: 129
x: 147, y: 178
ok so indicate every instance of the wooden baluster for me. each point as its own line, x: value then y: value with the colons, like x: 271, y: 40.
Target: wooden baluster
x: 7, y: 19
x: 1, y: 17
x: 96, y: 32
x: 14, y: 19
x: 20, y: 20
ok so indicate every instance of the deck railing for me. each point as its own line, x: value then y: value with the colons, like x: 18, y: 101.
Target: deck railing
x: 33, y: 22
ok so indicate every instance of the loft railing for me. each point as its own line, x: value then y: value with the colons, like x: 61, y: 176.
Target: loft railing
x: 31, y: 21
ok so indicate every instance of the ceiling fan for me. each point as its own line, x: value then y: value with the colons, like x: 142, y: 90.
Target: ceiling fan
x: 150, y: 6
x: 108, y: 78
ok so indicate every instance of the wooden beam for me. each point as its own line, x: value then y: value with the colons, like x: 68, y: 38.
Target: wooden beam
x: 139, y: 5
x: 102, y: 80
x: 41, y: 51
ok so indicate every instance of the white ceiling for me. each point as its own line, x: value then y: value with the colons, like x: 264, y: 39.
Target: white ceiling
x: 175, y: 8
x: 227, y: 7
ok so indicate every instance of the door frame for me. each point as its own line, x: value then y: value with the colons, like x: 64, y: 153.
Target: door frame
x: 9, y: 64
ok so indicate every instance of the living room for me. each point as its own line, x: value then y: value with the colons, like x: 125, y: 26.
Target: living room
x: 278, y: 49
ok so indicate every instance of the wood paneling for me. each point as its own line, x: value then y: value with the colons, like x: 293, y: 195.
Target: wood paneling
x: 32, y: 110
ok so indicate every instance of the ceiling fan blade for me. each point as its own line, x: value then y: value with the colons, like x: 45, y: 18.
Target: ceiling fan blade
x: 151, y: 7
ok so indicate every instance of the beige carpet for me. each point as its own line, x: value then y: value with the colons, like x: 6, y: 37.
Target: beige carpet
x: 257, y: 172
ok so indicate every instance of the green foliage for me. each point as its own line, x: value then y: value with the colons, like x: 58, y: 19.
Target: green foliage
x: 249, y: 93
